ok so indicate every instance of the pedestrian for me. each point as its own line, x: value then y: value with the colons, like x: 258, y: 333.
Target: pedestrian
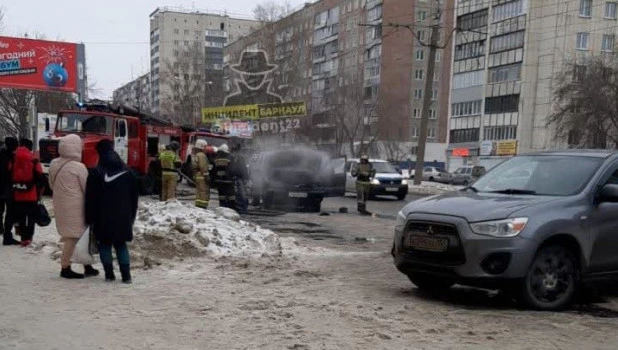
x: 199, y: 162
x: 6, y: 158
x: 224, y: 179
x: 363, y: 173
x: 67, y: 178
x: 168, y: 160
x: 111, y: 207
x: 26, y: 191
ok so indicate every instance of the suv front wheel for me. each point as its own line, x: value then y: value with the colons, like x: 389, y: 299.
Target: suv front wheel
x: 552, y: 279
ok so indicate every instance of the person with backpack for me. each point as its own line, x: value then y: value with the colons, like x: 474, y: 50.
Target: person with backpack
x: 6, y: 157
x: 67, y: 178
x: 111, y: 207
x: 26, y: 191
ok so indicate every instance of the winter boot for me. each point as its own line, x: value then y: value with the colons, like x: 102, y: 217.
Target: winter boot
x: 109, y: 272
x: 90, y: 271
x: 70, y: 274
x: 125, y: 271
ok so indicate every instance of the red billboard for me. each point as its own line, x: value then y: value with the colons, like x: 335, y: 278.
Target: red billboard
x: 42, y: 65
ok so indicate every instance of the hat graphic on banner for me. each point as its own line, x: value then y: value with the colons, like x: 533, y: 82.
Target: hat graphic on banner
x: 253, y: 87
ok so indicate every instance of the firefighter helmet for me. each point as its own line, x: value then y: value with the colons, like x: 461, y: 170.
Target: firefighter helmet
x: 224, y: 148
x: 364, y: 157
x: 201, y: 144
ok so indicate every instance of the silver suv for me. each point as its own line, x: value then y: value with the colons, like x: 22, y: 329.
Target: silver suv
x: 538, y: 226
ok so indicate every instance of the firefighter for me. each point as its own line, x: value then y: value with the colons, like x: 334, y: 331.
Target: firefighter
x: 199, y: 162
x: 363, y: 173
x: 168, y: 161
x: 241, y: 176
x: 224, y: 178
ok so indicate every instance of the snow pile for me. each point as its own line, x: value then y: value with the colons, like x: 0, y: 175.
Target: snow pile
x: 172, y: 230
x: 432, y: 188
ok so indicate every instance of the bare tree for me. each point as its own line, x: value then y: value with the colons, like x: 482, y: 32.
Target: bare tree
x: 585, y: 100
x: 1, y: 19
x: 395, y: 151
x: 185, y: 86
x: 353, y: 114
x: 271, y: 11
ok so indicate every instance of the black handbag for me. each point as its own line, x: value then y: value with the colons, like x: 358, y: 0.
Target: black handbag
x: 42, y: 218
x: 93, y: 247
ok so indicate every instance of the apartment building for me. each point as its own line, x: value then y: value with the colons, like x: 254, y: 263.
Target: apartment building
x: 135, y: 93
x: 187, y: 49
x: 341, y: 57
x: 506, y: 57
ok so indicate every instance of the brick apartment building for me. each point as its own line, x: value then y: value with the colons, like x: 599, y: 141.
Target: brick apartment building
x: 355, y: 72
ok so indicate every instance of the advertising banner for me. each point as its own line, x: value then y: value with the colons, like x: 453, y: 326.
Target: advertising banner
x: 42, y: 65
x: 253, y: 112
x: 506, y: 148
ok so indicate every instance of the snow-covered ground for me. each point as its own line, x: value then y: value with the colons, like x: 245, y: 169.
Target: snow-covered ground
x: 431, y: 188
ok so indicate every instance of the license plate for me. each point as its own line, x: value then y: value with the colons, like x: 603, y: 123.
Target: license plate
x: 392, y: 189
x: 298, y: 195
x: 430, y: 244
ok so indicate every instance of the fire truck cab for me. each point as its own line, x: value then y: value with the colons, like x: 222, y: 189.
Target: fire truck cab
x: 137, y: 137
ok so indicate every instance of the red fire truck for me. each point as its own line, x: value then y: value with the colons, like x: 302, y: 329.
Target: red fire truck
x: 137, y: 137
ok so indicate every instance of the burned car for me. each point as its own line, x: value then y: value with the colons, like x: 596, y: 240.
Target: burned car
x: 293, y: 179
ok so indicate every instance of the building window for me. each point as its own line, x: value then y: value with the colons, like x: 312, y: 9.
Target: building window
x: 434, y: 95
x: 608, y: 43
x: 414, y: 132
x: 468, y: 79
x: 610, y: 10
x: 464, y: 135
x: 431, y: 133
x: 436, y: 76
x: 464, y: 109
x: 509, y: 10
x: 176, y: 42
x: 438, y: 56
x: 433, y: 114
x: 473, y: 20
x: 418, y: 74
x: 176, y: 31
x: 505, y: 73
x: 582, y: 41
x: 507, y: 42
x: 585, y: 8
x: 421, y: 16
x: 418, y: 94
x: 502, y: 104
x: 420, y: 35
x: 469, y: 50
x: 507, y: 132
x: 416, y: 113
x: 186, y: 32
x: 420, y: 55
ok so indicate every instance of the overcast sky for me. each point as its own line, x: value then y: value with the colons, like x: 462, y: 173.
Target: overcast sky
x: 116, y: 32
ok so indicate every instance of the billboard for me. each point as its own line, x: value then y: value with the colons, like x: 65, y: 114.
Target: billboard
x: 42, y: 65
x: 252, y: 112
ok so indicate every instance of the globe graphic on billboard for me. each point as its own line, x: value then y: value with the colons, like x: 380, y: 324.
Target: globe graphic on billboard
x: 55, y: 75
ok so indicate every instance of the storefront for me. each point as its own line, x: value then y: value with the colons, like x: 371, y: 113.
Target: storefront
x: 487, y: 154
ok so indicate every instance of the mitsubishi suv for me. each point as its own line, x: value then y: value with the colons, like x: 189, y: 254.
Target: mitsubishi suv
x: 538, y: 226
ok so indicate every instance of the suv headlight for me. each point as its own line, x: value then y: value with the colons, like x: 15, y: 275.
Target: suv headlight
x: 404, y: 182
x: 500, y: 228
x: 401, y: 219
x: 375, y: 182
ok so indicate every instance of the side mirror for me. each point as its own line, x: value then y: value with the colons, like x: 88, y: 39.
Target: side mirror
x: 608, y: 194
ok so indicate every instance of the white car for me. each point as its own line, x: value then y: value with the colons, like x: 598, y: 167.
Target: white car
x: 387, y: 182
x: 434, y: 174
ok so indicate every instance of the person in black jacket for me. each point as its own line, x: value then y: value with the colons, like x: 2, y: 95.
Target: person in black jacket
x: 111, y: 208
x: 6, y: 157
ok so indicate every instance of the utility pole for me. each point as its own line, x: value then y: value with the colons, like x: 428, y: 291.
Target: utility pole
x: 433, y: 45
x: 427, y: 98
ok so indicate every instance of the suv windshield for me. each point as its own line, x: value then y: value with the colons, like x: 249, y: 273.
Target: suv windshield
x: 541, y: 175
x: 384, y: 168
x: 76, y: 122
